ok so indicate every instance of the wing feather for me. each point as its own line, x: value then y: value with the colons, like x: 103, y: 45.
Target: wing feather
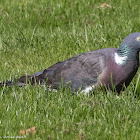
x: 79, y: 71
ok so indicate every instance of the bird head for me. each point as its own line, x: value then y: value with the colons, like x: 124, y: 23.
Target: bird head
x: 129, y: 49
x: 132, y: 41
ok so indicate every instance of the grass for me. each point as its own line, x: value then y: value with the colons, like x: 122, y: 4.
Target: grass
x: 36, y: 34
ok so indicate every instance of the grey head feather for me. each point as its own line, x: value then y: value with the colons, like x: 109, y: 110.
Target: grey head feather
x: 130, y: 47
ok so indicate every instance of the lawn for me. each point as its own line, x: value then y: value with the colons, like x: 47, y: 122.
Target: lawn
x: 34, y: 34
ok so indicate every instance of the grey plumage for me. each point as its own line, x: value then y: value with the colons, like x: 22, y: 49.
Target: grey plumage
x: 91, y: 69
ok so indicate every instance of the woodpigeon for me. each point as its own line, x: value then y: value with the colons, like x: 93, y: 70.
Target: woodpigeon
x: 103, y: 67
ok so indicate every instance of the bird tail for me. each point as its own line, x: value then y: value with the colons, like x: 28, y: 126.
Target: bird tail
x: 11, y: 83
x: 7, y: 83
x: 22, y: 81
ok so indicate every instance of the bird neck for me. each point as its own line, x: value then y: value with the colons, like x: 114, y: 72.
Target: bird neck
x: 124, y: 54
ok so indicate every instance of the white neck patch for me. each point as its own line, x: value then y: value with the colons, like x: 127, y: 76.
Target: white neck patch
x: 120, y: 60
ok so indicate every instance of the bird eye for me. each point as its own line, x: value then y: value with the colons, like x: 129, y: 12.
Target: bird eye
x: 138, y: 38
